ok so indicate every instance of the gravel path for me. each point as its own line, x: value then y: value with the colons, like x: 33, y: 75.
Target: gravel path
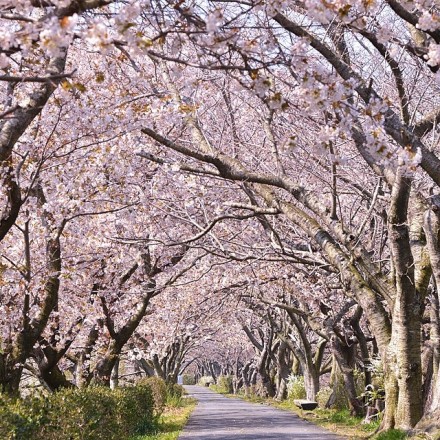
x: 219, y: 417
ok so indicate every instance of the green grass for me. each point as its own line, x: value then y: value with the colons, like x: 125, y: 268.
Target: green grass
x: 171, y: 422
x: 392, y: 434
x: 337, y: 421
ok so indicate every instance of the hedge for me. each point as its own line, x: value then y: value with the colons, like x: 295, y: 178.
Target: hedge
x: 159, y: 389
x: 93, y: 413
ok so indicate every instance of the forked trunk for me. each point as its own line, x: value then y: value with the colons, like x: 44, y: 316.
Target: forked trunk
x: 403, y: 357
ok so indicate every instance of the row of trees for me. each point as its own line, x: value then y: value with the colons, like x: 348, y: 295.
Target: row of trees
x: 154, y: 153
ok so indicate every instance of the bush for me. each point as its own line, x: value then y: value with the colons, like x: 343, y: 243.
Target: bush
x: 20, y: 419
x: 94, y: 413
x: 78, y: 414
x: 136, y: 409
x: 224, y: 384
x: 323, y: 395
x: 295, y: 387
x: 160, y: 392
x: 174, y: 395
x: 206, y: 381
x: 189, y: 379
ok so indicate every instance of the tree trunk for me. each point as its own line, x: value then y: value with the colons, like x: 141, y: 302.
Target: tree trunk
x: 114, y: 377
x: 404, y: 352
x: 344, y: 356
x: 311, y: 382
x: 103, y: 369
x: 82, y: 374
x: 10, y: 381
x: 283, y: 371
x: 246, y: 373
x: 431, y: 420
x: 55, y: 379
x: 363, y: 347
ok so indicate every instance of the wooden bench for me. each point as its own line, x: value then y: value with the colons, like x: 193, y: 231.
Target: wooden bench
x: 307, y: 405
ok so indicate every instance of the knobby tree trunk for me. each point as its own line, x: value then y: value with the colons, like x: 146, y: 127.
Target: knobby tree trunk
x: 403, y: 364
x: 81, y: 371
x: 431, y: 420
x: 311, y: 382
x: 345, y: 357
x: 283, y: 371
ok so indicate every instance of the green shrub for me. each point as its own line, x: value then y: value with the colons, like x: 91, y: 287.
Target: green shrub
x: 79, y: 414
x: 224, y: 385
x: 189, y: 379
x: 392, y: 434
x: 295, y: 387
x: 94, y: 413
x: 136, y: 409
x: 175, y: 389
x: 371, y: 395
x: 22, y: 419
x: 174, y: 395
x: 160, y: 392
x: 206, y: 380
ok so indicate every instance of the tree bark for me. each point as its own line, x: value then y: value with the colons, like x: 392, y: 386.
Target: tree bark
x: 283, y: 371
x: 432, y: 230
x: 404, y: 351
x: 344, y: 356
x: 114, y: 377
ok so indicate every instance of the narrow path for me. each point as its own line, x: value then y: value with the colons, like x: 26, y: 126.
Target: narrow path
x: 219, y: 417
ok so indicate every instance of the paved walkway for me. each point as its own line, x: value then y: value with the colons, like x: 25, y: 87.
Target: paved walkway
x: 219, y: 417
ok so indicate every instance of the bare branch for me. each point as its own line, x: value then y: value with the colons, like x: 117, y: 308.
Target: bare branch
x: 36, y: 79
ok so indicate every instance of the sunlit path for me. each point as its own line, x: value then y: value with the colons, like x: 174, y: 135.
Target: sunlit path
x: 219, y: 417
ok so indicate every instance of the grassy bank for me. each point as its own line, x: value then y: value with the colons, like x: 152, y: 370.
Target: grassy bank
x: 342, y: 423
x: 338, y: 421
x: 171, y: 422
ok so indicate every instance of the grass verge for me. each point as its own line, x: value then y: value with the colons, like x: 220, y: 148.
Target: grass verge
x: 171, y: 422
x: 338, y: 421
